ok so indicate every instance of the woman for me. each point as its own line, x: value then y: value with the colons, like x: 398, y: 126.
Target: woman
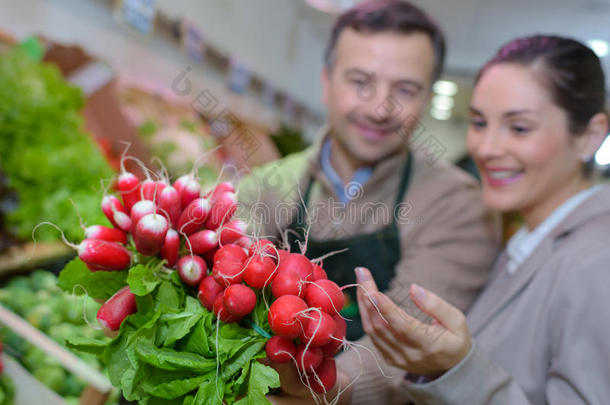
x: 539, y: 331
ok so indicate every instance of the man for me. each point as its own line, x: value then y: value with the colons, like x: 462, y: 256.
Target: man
x: 362, y: 192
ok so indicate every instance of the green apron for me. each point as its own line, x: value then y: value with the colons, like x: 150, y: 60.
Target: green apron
x: 379, y: 251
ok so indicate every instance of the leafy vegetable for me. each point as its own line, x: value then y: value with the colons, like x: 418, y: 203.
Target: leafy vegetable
x: 173, y: 351
x: 46, y: 156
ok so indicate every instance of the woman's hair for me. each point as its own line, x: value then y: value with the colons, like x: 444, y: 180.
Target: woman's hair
x: 376, y: 16
x: 569, y: 69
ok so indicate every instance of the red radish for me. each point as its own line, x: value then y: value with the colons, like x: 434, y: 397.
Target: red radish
x: 264, y: 247
x: 232, y: 231
x: 190, y: 192
x: 224, y: 187
x: 209, y: 289
x: 308, y: 358
x: 194, y: 216
x: 170, y: 248
x: 209, y: 257
x: 169, y: 201
x: 104, y: 255
x: 280, y: 350
x: 338, y: 337
x: 139, y: 210
x: 259, y: 272
x: 229, y: 263
x: 115, y: 212
x: 112, y: 313
x: 222, y: 210
x: 287, y: 283
x: 283, y: 255
x: 324, y: 377
x: 150, y: 190
x: 181, y: 182
x: 221, y: 312
x: 150, y: 234
x: 192, y: 269
x: 297, y: 263
x: 128, y: 185
x: 318, y: 273
x: 203, y: 241
x: 318, y: 329
x: 102, y: 232
x: 284, y: 315
x: 244, y: 242
x: 326, y: 295
x: 239, y: 300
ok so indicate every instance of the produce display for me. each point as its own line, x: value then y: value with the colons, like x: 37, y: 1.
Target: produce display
x: 59, y: 315
x: 198, y: 307
x: 42, y: 147
x: 7, y: 388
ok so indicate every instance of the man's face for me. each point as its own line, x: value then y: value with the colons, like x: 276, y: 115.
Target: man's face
x: 376, y: 91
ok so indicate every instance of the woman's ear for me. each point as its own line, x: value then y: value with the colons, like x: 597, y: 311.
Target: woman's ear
x: 593, y: 136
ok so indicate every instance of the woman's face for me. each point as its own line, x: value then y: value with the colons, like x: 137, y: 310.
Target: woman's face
x: 519, y: 139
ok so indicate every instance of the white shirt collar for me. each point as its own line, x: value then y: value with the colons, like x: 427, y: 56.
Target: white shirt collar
x: 524, y: 242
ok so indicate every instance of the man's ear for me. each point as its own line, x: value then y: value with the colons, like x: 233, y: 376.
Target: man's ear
x: 324, y: 76
x: 593, y: 136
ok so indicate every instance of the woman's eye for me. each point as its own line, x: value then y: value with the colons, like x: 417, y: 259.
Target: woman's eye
x: 477, y: 123
x: 519, y: 129
x: 358, y: 82
x: 406, y: 92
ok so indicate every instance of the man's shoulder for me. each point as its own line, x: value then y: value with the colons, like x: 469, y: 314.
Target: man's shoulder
x: 440, y: 177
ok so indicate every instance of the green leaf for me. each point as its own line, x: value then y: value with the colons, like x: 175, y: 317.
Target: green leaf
x: 243, y: 357
x: 167, y: 359
x: 78, y: 279
x: 197, y: 340
x: 176, y: 326
x: 262, y: 378
x: 86, y: 345
x: 210, y: 393
x: 168, y: 298
x: 142, y: 280
x: 172, y: 384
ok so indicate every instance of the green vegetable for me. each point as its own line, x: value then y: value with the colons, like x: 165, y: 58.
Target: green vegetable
x: 173, y: 351
x: 7, y: 390
x: 77, y: 278
x: 60, y: 316
x: 44, y: 152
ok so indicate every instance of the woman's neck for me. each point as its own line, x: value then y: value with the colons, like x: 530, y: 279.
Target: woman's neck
x: 537, y: 213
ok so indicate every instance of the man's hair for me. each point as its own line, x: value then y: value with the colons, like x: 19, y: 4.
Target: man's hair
x: 377, y: 16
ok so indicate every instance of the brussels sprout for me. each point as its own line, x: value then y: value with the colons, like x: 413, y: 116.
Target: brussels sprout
x: 43, y: 280
x: 51, y: 376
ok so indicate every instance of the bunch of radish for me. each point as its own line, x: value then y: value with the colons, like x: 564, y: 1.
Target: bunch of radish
x: 179, y: 222
x: 194, y: 233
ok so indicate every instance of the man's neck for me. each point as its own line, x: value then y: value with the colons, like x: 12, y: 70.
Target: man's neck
x: 343, y: 162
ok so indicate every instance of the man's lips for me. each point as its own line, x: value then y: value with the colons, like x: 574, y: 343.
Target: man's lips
x: 372, y: 132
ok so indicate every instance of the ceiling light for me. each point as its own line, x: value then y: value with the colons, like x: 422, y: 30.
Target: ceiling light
x: 331, y: 6
x: 602, y: 157
x: 445, y: 88
x: 440, y: 114
x: 442, y: 102
x: 600, y: 47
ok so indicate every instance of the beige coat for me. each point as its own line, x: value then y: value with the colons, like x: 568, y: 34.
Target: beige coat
x: 448, y: 238
x: 543, y: 334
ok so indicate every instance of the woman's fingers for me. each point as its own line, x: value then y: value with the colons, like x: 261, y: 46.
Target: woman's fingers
x: 446, y: 314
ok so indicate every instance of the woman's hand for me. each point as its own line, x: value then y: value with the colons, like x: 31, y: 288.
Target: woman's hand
x: 406, y: 342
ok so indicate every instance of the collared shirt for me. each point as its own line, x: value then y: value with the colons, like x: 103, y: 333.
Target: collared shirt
x: 524, y: 242
x: 345, y: 192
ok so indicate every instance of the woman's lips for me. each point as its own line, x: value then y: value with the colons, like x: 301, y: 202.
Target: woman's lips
x: 499, y: 178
